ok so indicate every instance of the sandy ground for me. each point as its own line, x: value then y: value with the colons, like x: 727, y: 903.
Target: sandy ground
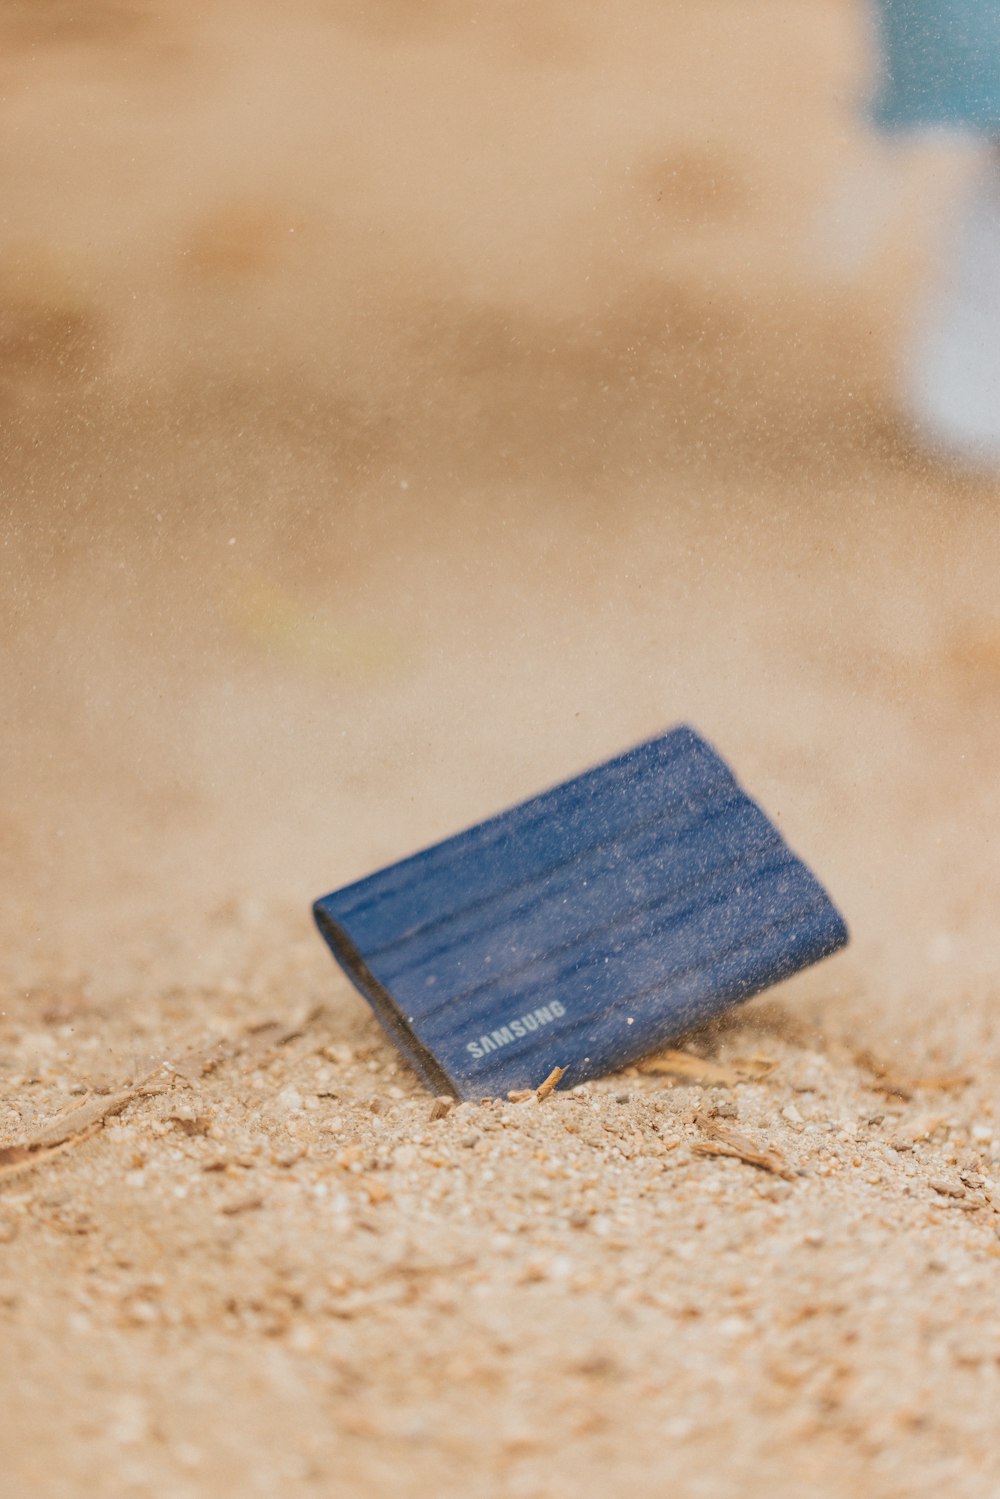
x: 403, y: 407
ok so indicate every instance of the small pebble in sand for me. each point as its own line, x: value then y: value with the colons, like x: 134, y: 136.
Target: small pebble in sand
x: 724, y: 1109
x: 945, y: 1187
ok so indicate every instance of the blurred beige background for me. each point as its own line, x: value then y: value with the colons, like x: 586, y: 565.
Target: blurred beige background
x: 404, y: 406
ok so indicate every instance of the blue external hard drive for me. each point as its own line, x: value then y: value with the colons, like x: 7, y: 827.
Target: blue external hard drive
x: 584, y: 928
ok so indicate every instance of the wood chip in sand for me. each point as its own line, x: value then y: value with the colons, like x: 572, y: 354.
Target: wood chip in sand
x: 201, y: 1060
x: 76, y: 1121
x: 17, y: 1159
x: 79, y: 1124
x: 266, y: 1037
x: 254, y: 1044
x: 886, y: 1080
x: 551, y: 1082
x: 686, y: 1067
x: 241, y: 1205
x: 729, y: 1142
x: 69, y: 1129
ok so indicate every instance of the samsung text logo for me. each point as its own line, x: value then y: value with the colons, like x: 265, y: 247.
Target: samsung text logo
x: 515, y: 1029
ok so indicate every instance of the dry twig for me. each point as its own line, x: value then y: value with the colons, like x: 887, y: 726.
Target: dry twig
x: 59, y: 1134
x: 551, y: 1082
x: 729, y: 1142
x: 885, y: 1080
x: 685, y: 1066
x: 79, y: 1124
x: 15, y: 1160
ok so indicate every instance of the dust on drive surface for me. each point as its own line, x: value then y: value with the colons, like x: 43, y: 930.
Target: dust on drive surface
x: 404, y: 408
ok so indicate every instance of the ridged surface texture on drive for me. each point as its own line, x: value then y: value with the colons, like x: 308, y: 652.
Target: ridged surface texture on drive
x: 584, y: 928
